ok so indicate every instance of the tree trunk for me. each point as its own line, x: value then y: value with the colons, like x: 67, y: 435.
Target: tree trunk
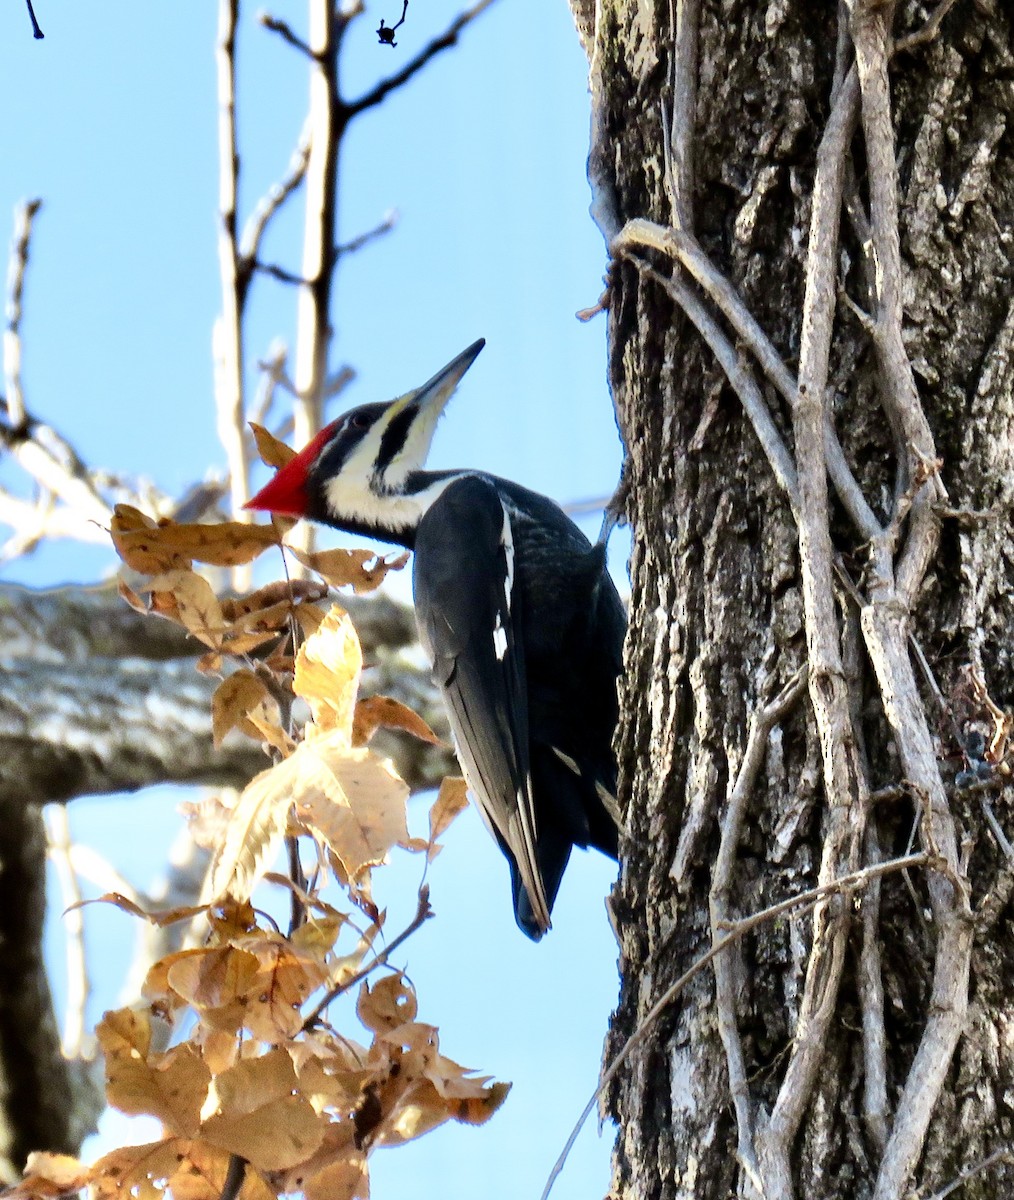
x: 853, y: 186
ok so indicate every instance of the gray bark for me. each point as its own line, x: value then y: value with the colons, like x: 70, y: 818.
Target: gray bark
x: 837, y: 1026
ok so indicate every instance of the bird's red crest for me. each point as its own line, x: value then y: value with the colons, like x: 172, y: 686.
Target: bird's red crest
x: 286, y: 492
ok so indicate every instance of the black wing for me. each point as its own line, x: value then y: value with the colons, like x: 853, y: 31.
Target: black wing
x: 467, y: 611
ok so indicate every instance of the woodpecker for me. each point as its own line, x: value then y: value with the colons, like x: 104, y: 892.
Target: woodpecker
x: 521, y: 622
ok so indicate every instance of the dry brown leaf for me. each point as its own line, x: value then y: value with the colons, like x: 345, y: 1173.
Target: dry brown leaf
x: 225, y: 544
x: 375, y: 712
x: 347, y: 568
x: 170, y: 1086
x: 451, y: 801
x: 252, y: 1110
x: 233, y: 699
x: 50, y: 1175
x: 426, y: 1088
x: 214, y: 982
x: 328, y: 667
x: 137, y: 540
x: 160, y: 919
x: 196, y: 605
x: 389, y: 1004
x: 354, y: 800
x: 150, y: 547
x: 255, y: 831
x: 328, y: 1166
x: 179, y: 1167
x: 273, y: 453
x: 310, y: 618
x: 276, y: 1137
x: 263, y: 723
x: 132, y: 598
x: 284, y: 981
x: 347, y: 1179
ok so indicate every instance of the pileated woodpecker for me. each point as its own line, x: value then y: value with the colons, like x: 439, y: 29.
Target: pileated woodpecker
x: 516, y: 611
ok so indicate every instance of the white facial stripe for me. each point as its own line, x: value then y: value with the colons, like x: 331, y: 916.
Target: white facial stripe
x: 350, y: 497
x: 417, y: 445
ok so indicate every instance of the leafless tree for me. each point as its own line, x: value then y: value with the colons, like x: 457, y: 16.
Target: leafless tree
x: 77, y: 663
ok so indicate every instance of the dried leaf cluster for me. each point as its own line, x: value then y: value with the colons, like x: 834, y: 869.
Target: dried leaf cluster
x: 230, y: 1048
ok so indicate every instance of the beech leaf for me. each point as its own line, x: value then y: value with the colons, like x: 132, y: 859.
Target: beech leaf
x: 375, y: 712
x: 170, y: 1086
x: 255, y: 831
x: 327, y: 672
x: 348, y: 568
x: 234, y: 698
x: 272, y: 451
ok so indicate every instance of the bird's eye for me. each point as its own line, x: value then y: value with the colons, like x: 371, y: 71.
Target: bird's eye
x: 358, y: 420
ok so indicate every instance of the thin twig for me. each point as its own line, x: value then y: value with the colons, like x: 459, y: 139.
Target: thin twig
x: 854, y: 881
x: 929, y: 31
x: 272, y: 201
x: 282, y: 274
x: 78, y: 984
x: 284, y: 31
x: 679, y: 132
x: 423, y: 914
x: 36, y: 31
x: 233, y: 1178
x: 447, y: 39
x: 679, y: 245
x: 739, y: 375
x: 382, y: 227
x: 17, y: 265
x: 1001, y: 838
x: 1004, y: 1155
x: 763, y: 721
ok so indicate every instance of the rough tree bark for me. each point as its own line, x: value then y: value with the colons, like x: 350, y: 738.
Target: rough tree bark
x: 828, y: 235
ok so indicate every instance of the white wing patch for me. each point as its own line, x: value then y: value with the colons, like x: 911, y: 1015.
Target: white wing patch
x: 507, y: 541
x: 499, y: 639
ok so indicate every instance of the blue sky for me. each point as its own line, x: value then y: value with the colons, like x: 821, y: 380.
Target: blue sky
x: 112, y: 122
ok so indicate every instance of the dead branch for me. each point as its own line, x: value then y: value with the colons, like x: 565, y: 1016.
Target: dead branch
x: 761, y: 724
x: 445, y: 41
x: 228, y: 333
x: 17, y: 264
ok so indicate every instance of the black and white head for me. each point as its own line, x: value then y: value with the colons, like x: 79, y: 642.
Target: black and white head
x: 364, y: 472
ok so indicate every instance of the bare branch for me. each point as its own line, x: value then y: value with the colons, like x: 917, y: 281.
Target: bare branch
x: 17, y: 264
x: 382, y: 227
x: 284, y: 31
x: 929, y: 31
x: 36, y: 31
x: 422, y: 915
x: 679, y: 135
x: 444, y: 42
x: 276, y: 196
x: 739, y: 376
x: 228, y: 332
x: 763, y: 721
x: 78, y: 986
x: 687, y: 251
x: 898, y: 393
x: 281, y: 274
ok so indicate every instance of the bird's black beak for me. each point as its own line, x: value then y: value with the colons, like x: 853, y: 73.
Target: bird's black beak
x: 435, y: 393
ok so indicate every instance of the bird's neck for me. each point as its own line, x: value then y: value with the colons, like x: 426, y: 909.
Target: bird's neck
x: 387, y: 514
